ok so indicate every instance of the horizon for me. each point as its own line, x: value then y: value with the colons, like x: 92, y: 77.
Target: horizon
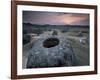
x: 55, y: 24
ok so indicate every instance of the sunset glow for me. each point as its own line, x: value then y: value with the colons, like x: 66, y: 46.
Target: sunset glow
x: 55, y: 18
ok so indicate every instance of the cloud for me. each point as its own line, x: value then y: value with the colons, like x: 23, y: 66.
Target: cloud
x: 55, y: 18
x: 75, y: 19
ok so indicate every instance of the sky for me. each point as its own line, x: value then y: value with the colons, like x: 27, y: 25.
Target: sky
x: 55, y: 18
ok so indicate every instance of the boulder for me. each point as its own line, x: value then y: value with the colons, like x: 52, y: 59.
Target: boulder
x: 52, y: 51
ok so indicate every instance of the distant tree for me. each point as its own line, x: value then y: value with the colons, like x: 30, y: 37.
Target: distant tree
x: 55, y: 33
x: 24, y: 31
x: 26, y: 39
x: 80, y: 34
x: 64, y: 30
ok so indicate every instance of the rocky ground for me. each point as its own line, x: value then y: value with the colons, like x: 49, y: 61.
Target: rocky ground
x: 35, y: 55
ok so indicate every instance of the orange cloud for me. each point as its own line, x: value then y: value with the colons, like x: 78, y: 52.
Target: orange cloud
x: 73, y: 18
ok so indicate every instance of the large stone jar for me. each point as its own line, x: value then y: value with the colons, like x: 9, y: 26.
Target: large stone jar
x: 52, y: 51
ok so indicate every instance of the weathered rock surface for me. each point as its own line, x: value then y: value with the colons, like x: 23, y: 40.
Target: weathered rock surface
x: 52, y: 51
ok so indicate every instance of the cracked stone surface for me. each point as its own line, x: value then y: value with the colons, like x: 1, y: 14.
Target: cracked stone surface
x: 57, y: 56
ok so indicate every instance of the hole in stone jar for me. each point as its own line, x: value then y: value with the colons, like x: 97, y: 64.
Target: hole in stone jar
x: 50, y: 42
